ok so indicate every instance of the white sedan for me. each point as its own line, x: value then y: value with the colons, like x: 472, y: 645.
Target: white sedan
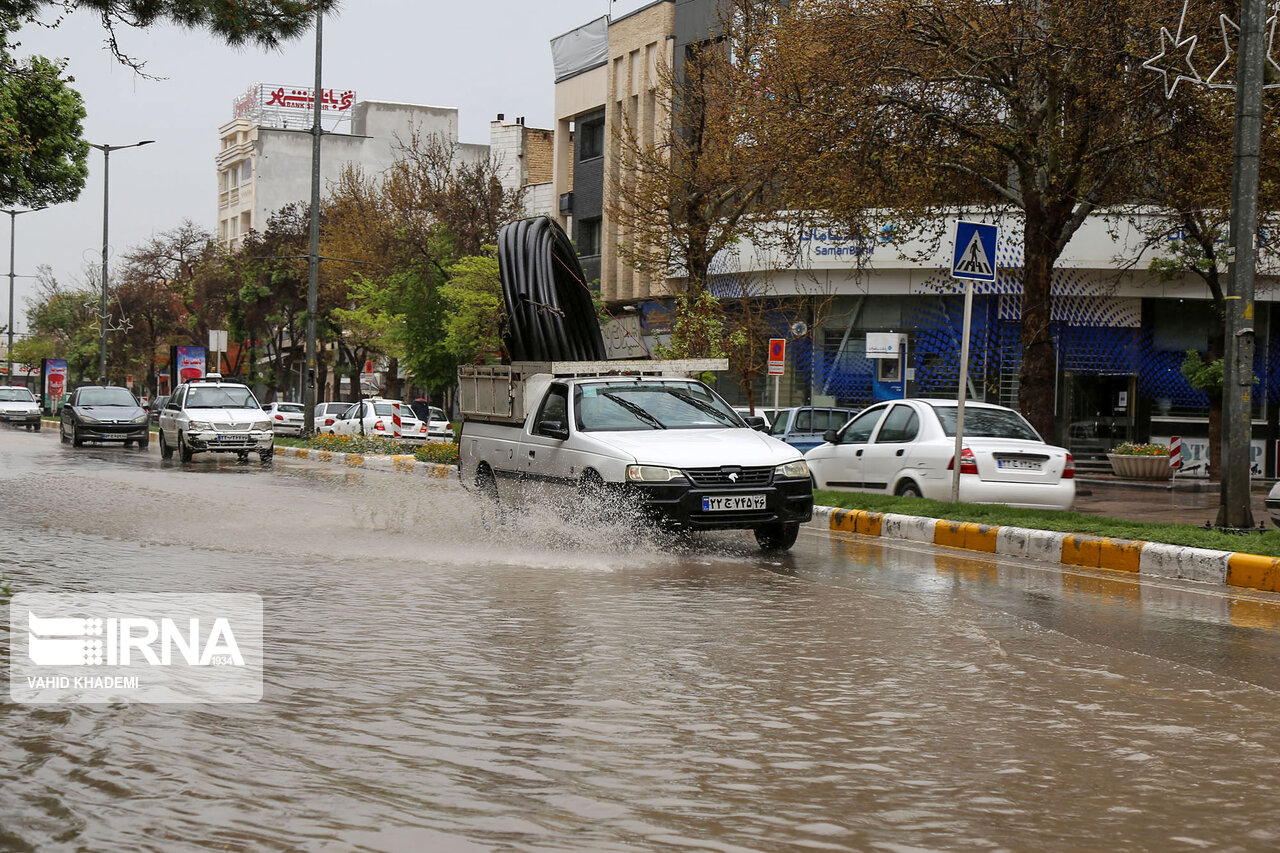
x: 907, y: 447
x: 374, y: 417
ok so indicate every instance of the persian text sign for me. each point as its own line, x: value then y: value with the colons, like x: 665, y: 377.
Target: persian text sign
x: 86, y: 648
x: 265, y: 104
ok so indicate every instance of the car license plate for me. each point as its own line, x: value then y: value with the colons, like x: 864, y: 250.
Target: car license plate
x: 728, y: 503
x: 1016, y: 464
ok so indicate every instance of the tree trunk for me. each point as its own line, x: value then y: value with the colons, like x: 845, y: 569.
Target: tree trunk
x: 1039, y: 363
x: 1215, y: 435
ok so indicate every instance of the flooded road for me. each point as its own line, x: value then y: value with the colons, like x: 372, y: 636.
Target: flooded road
x: 431, y: 685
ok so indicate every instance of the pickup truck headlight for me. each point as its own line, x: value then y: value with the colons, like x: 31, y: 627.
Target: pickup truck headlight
x: 200, y: 425
x: 798, y: 470
x: 652, y: 474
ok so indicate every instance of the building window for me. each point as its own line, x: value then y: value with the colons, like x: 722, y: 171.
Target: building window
x: 589, y: 237
x: 590, y: 138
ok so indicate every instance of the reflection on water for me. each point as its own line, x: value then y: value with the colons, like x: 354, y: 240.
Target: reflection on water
x: 434, y: 685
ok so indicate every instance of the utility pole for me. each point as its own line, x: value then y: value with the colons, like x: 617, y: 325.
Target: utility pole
x: 1235, y: 510
x: 313, y: 255
x: 13, y: 216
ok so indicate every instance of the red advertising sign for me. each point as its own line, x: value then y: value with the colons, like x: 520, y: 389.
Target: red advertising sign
x: 777, y: 356
x: 191, y: 363
x: 53, y: 381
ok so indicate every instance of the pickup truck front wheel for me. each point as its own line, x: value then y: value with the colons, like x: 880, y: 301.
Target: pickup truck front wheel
x: 778, y: 536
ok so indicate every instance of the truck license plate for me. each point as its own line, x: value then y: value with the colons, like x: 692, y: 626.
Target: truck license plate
x: 723, y: 503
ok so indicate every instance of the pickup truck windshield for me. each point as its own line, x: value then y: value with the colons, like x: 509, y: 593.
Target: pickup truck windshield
x: 627, y: 405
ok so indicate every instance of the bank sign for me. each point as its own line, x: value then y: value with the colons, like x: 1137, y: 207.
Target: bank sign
x: 84, y: 648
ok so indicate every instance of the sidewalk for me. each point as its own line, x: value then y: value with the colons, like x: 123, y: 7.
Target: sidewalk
x: 1184, y: 502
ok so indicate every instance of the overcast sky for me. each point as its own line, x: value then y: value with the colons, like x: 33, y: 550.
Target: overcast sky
x: 482, y: 56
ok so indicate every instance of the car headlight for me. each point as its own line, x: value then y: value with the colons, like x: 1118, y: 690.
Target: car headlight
x: 652, y: 474
x: 200, y: 425
x: 798, y: 470
x: 260, y: 425
x: 88, y: 419
x: 141, y: 419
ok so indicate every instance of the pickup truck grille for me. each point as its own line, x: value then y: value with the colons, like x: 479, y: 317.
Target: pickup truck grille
x: 725, y: 476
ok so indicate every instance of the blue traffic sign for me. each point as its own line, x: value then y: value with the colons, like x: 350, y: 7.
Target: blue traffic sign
x: 975, y: 251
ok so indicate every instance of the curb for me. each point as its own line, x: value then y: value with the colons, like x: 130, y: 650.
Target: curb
x: 1152, y: 559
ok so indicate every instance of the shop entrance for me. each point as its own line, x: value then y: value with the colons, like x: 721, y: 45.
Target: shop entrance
x: 1100, y: 415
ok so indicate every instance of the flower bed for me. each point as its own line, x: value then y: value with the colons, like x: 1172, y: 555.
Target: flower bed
x: 438, y: 452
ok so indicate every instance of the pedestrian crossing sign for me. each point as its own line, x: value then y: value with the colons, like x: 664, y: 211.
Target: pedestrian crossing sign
x: 975, y: 251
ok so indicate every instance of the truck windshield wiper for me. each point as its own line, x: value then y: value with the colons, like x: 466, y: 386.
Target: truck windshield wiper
x: 634, y: 409
x: 700, y: 404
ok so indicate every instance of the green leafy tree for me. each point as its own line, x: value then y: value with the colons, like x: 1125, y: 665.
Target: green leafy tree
x: 42, y: 157
x: 474, y: 308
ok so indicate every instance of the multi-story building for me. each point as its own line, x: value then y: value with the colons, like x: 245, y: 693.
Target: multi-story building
x: 264, y: 161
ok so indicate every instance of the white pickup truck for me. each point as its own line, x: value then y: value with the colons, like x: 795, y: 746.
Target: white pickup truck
x: 564, y: 431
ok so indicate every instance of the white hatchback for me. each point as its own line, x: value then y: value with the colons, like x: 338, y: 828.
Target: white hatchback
x: 907, y: 447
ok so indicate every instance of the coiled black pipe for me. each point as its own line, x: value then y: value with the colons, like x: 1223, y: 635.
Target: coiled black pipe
x: 550, y: 315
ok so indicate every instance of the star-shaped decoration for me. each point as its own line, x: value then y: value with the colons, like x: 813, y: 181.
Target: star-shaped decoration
x: 1224, y: 75
x: 1172, y: 46
x: 1163, y: 63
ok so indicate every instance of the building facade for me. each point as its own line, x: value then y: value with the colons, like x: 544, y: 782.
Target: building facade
x: 264, y: 157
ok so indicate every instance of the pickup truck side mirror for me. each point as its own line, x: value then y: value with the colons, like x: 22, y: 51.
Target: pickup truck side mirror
x: 756, y: 422
x: 553, y: 429
x: 831, y: 436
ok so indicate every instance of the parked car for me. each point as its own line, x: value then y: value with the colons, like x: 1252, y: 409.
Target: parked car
x: 745, y: 412
x: 286, y: 418
x: 104, y: 413
x: 439, y: 428
x: 802, y: 426
x: 153, y: 411
x: 208, y: 415
x: 18, y: 406
x: 327, y: 413
x: 376, y: 416
x: 907, y: 447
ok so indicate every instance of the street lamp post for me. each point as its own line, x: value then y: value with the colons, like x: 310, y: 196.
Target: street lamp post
x: 8, y: 372
x: 102, y: 316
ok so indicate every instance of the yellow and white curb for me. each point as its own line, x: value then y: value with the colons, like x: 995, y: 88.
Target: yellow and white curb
x: 1249, y: 571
